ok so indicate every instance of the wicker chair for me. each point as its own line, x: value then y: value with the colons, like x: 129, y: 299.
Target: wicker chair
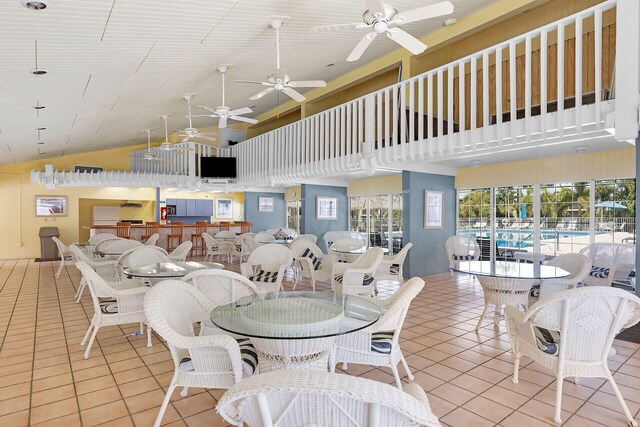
x: 461, y: 248
x: 242, y: 247
x: 379, y: 344
x: 114, y: 303
x: 502, y: 292
x: 214, y: 247
x: 181, y: 252
x: 391, y: 266
x: 263, y: 236
x: 66, y: 256
x: 312, y: 398
x: 578, y: 265
x: 152, y: 240
x: 266, y: 265
x: 106, y: 269
x: 358, y: 278
x: 117, y: 245
x: 136, y: 257
x: 211, y: 361
x: 579, y: 328
x: 312, y: 262
x: 611, y: 263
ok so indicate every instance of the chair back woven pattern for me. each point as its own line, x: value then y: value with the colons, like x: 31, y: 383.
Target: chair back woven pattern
x: 271, y: 257
x: 606, y: 254
x: 143, y: 255
x: 221, y: 286
x: 588, y: 319
x: 306, y: 398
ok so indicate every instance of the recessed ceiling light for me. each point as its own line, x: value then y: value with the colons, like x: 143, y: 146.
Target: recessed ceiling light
x: 581, y: 149
x: 39, y: 72
x: 450, y: 21
x: 475, y: 163
x: 35, y: 5
x: 40, y: 143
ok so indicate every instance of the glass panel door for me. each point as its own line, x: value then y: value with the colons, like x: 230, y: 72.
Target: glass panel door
x: 293, y: 214
x: 514, y: 220
x: 474, y: 216
x: 564, y: 216
x: 396, y: 223
x: 378, y: 221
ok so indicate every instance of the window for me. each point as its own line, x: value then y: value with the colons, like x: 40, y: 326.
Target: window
x: 564, y: 214
x: 615, y: 210
x: 380, y: 218
x: 293, y: 214
x: 514, y: 218
x: 474, y: 212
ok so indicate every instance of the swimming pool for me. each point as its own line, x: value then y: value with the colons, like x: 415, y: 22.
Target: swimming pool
x: 522, y: 238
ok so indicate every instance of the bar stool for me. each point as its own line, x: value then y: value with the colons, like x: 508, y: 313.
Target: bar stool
x: 123, y: 229
x: 150, y: 228
x: 196, y: 238
x: 245, y: 227
x: 224, y: 225
x: 175, y: 233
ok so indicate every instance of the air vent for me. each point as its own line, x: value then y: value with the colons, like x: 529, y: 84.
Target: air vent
x: 131, y: 205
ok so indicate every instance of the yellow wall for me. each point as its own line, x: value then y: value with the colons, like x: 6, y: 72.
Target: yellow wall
x: 292, y: 193
x: 373, y: 186
x: 85, y: 212
x: 264, y: 126
x: 620, y: 163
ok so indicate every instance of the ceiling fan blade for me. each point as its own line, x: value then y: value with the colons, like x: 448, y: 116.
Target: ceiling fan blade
x: 293, y: 94
x: 375, y: 6
x: 206, y: 108
x: 204, y: 115
x: 222, y: 123
x: 406, y: 40
x: 364, y: 43
x: 207, y: 138
x: 239, y: 111
x: 253, y: 82
x: 339, y: 27
x: 243, y: 119
x: 263, y: 93
x: 425, y: 12
x: 280, y: 74
x: 307, y: 83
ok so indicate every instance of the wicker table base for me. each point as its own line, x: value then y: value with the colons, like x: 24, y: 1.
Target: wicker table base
x: 293, y: 354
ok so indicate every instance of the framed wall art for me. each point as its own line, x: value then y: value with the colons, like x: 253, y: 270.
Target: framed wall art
x: 224, y: 208
x: 265, y: 204
x: 51, y: 206
x: 326, y: 208
x: 433, y: 209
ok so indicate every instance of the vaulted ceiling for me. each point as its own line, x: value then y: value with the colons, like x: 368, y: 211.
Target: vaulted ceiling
x: 114, y: 66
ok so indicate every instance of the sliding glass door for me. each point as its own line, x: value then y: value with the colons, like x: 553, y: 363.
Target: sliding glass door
x: 379, y: 218
x: 293, y: 214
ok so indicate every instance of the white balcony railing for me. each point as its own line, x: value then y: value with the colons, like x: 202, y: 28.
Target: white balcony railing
x: 555, y: 83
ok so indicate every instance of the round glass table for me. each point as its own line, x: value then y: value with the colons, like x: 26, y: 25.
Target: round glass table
x: 165, y: 270
x: 354, y: 250
x: 295, y: 330
x: 275, y: 242
x: 507, y: 282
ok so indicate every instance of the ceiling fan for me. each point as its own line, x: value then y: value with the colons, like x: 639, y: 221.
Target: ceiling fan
x: 223, y: 112
x: 166, y: 145
x: 192, y: 133
x: 382, y: 18
x: 279, y: 80
x: 148, y: 155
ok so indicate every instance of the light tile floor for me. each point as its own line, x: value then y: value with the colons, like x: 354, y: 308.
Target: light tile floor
x: 44, y: 380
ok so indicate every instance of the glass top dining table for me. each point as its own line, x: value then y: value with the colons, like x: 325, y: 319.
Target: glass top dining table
x: 354, y: 250
x: 296, y: 315
x: 170, y: 269
x: 510, y: 269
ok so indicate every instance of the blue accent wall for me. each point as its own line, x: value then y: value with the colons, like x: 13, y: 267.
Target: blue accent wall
x: 427, y: 256
x: 308, y: 222
x: 263, y: 220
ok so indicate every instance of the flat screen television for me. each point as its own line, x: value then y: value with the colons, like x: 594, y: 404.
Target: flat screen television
x: 218, y: 167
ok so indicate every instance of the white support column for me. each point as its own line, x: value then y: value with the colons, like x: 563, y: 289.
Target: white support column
x: 627, y: 69
x: 592, y: 211
x: 369, y: 127
x: 192, y: 159
x: 536, y: 218
x: 492, y: 228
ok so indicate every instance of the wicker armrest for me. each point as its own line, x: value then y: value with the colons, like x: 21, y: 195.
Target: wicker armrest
x: 417, y: 392
x: 127, y: 284
x: 130, y: 291
x: 617, y: 267
x: 246, y: 269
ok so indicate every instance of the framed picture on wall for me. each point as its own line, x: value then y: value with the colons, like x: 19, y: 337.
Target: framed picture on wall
x: 51, y: 206
x: 224, y: 208
x: 433, y: 209
x: 326, y: 208
x: 265, y: 204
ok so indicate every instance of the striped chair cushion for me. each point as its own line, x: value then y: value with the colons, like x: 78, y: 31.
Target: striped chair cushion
x: 547, y: 340
x: 365, y: 282
x: 247, y: 352
x: 264, y: 276
x: 394, y: 269
x: 239, y: 248
x: 463, y: 257
x: 599, y: 272
x: 317, y: 262
x: 108, y: 306
x: 381, y: 342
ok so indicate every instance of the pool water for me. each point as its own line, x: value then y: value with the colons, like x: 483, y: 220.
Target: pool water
x: 522, y: 238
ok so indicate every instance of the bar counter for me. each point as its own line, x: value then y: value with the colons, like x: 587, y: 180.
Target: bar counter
x: 137, y: 231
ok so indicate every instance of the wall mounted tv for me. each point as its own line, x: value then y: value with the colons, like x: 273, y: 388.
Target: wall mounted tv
x: 218, y: 167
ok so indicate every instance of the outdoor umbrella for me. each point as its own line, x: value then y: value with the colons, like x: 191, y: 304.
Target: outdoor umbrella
x: 611, y: 205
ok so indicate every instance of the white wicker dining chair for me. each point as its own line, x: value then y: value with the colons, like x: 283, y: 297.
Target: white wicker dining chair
x: 106, y: 269
x: 266, y: 266
x: 391, y: 266
x: 571, y: 332
x: 578, y: 265
x: 461, y: 248
x: 100, y: 237
x: 181, y: 252
x: 357, y: 278
x: 143, y: 255
x: 312, y: 263
x: 314, y: 398
x: 214, y: 247
x: 610, y: 262
x: 114, y: 303
x: 379, y: 344
x: 500, y: 292
x: 152, y: 240
x: 263, y: 236
x: 242, y: 247
x: 211, y: 361
x: 66, y: 256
